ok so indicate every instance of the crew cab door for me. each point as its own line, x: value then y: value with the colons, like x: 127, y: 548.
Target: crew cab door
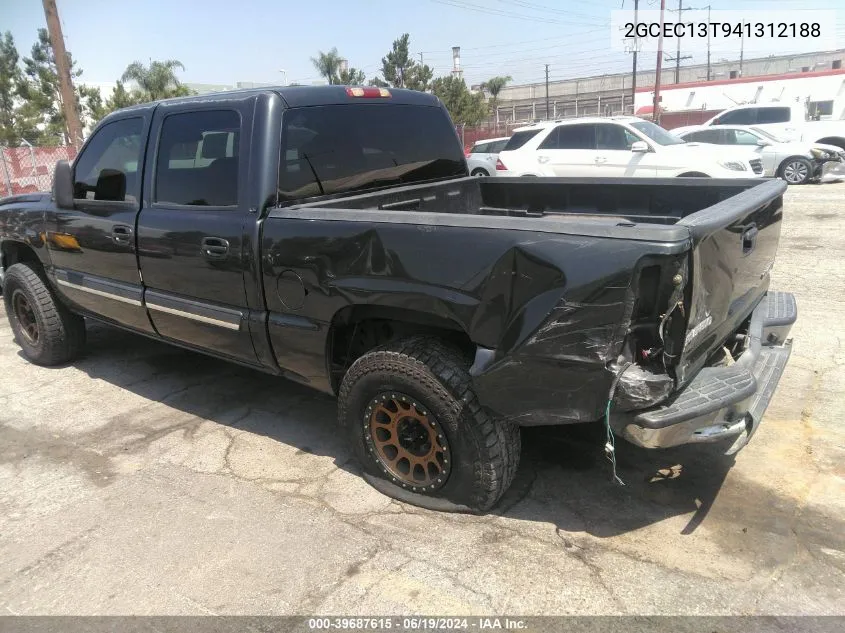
x: 92, y: 245
x: 194, y: 224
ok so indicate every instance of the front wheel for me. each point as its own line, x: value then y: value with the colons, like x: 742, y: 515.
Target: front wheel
x: 48, y: 333
x: 479, y: 173
x: 796, y: 170
x: 419, y: 431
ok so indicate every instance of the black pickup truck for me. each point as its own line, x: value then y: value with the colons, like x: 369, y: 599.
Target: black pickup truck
x: 331, y: 235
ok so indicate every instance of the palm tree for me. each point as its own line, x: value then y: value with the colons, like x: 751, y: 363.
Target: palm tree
x: 494, y: 86
x: 328, y: 65
x: 158, y: 80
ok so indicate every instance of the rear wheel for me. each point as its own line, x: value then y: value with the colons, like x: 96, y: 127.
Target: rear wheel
x: 480, y: 173
x: 48, y: 333
x: 796, y: 170
x: 419, y: 431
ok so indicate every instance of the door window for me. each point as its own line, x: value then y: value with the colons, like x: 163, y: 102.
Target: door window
x: 740, y: 137
x: 773, y: 115
x: 197, y: 159
x: 746, y: 116
x: 481, y: 148
x: 704, y: 136
x: 580, y: 136
x: 107, y: 169
x: 612, y: 136
x: 498, y: 146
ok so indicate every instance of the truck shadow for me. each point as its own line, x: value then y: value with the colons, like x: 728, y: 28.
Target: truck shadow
x: 564, y: 477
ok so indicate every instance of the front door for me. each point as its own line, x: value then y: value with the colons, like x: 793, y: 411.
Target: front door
x: 192, y: 232
x: 92, y: 246
x: 614, y: 157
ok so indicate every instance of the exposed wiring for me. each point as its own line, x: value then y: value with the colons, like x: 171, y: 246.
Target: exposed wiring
x: 610, y: 445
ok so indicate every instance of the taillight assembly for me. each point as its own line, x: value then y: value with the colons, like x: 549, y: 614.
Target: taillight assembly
x: 500, y: 166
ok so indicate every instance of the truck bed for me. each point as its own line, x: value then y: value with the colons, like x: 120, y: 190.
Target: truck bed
x: 620, y: 201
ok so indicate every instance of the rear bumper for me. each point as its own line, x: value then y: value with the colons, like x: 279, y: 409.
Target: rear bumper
x: 724, y: 404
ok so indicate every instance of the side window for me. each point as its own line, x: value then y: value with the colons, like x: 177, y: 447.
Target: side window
x: 611, y: 136
x: 773, y: 115
x: 107, y: 169
x: 741, y: 137
x: 746, y: 116
x: 498, y: 146
x: 704, y: 136
x: 519, y: 139
x: 197, y: 159
x: 582, y: 136
x: 481, y: 148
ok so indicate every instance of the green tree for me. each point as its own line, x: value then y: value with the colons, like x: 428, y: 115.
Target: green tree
x: 10, y: 78
x: 400, y: 70
x: 351, y: 77
x: 328, y: 65
x: 121, y: 98
x: 41, y: 115
x: 465, y: 107
x: 156, y: 81
x: 494, y: 86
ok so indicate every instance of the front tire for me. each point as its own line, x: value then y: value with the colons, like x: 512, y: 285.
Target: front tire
x: 48, y: 333
x: 479, y: 173
x: 419, y: 431
x: 796, y: 170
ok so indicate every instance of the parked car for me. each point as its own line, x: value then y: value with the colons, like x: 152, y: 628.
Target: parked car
x: 336, y: 239
x: 788, y: 121
x: 617, y: 147
x: 481, y: 159
x: 797, y: 162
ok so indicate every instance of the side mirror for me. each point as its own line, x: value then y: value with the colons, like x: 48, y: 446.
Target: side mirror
x: 639, y: 146
x: 763, y: 142
x: 63, y: 185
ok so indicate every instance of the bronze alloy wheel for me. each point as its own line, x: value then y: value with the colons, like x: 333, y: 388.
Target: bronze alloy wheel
x: 409, y: 444
x: 25, y: 317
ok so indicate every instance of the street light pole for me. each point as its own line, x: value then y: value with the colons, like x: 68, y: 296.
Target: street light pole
x: 656, y: 107
x: 284, y: 76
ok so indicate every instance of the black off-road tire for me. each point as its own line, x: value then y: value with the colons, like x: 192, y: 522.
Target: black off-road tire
x: 60, y: 333
x: 484, y: 451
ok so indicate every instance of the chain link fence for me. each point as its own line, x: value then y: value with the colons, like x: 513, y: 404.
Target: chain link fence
x: 27, y: 169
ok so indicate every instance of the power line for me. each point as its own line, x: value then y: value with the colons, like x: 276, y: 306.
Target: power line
x: 545, y: 9
x: 498, y: 12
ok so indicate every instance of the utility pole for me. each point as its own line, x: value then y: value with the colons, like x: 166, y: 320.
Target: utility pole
x: 422, y: 63
x: 741, y: 51
x: 656, y: 107
x: 547, y: 92
x: 677, y: 58
x: 57, y: 42
x: 634, y: 71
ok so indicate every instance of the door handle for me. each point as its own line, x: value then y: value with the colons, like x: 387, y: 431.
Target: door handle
x: 749, y: 239
x: 121, y: 234
x: 600, y: 160
x: 543, y: 159
x: 215, y: 247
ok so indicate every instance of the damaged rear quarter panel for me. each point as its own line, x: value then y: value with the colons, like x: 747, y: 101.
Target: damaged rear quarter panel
x: 552, y: 306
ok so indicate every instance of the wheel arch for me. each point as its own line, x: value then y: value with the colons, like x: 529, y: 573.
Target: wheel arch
x: 17, y: 252
x: 356, y: 329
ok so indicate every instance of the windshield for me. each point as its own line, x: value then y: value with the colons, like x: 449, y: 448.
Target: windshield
x: 657, y: 133
x: 339, y: 148
x: 760, y: 132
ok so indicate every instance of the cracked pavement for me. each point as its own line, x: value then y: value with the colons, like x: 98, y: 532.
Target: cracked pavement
x: 144, y: 479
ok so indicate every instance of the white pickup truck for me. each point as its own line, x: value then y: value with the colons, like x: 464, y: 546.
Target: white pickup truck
x: 789, y: 121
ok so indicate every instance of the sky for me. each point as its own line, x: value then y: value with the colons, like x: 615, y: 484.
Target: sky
x: 226, y: 41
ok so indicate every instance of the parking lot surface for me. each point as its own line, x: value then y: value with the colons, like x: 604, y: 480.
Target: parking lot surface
x: 143, y: 479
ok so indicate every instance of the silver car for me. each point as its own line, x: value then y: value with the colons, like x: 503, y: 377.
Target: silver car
x: 481, y: 159
x: 797, y: 162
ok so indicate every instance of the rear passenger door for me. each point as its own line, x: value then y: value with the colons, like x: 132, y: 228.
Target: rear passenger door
x: 193, y: 247
x: 614, y: 157
x: 569, y: 150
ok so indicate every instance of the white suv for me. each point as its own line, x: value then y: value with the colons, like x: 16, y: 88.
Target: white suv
x: 481, y: 159
x: 617, y: 147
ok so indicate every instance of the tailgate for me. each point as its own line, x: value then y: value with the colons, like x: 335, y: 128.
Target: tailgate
x: 734, y: 247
